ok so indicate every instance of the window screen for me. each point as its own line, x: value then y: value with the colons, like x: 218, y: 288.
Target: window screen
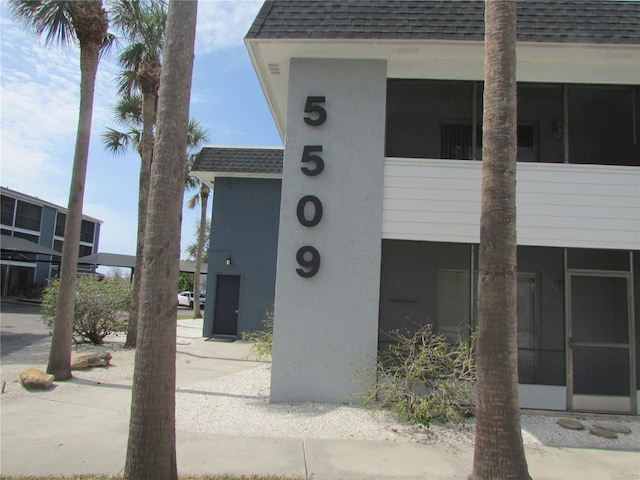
x: 8, y: 207
x: 28, y: 216
x: 86, y: 231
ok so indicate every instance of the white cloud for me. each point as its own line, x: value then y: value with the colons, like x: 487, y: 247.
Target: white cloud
x: 224, y: 23
x: 119, y: 228
x: 39, y: 102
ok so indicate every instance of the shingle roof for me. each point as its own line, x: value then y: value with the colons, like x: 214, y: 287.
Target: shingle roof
x: 245, y: 160
x: 15, y: 245
x: 562, y: 21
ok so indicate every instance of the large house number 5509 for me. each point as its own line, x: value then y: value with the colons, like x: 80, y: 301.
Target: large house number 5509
x: 308, y: 257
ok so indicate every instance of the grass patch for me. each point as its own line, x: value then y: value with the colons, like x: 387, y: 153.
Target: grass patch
x: 117, y: 477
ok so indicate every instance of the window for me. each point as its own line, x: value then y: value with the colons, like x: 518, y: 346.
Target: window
x: 86, y: 231
x: 31, y: 238
x: 28, y: 216
x: 452, y: 304
x: 61, y: 219
x: 8, y: 209
x: 26, y: 236
x: 57, y: 245
x: 457, y: 142
x: 453, y: 301
x: 85, y: 250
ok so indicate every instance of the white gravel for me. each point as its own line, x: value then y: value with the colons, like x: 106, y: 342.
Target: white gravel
x: 238, y: 404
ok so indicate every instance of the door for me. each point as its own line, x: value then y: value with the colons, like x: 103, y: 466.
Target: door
x: 225, y: 316
x: 600, y: 345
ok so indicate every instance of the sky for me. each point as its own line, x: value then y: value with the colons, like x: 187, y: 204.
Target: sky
x: 39, y: 99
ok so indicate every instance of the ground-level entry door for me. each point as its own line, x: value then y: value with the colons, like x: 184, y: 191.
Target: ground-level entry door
x: 225, y: 319
x: 600, y: 342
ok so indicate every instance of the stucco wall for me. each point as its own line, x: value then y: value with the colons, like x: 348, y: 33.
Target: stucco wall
x: 326, y: 325
x: 47, y: 226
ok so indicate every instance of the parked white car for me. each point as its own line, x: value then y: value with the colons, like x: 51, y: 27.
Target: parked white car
x: 185, y: 299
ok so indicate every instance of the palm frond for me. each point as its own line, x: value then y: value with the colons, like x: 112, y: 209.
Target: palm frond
x: 128, y: 111
x: 196, y: 135
x: 127, y: 82
x: 48, y: 18
x: 108, y: 44
x: 120, y: 143
x: 194, y: 201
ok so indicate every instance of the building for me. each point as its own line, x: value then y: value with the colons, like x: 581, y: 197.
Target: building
x: 244, y: 241
x: 32, y: 237
x: 379, y: 105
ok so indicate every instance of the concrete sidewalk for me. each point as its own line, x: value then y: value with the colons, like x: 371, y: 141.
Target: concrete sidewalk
x: 82, y: 427
x: 84, y: 430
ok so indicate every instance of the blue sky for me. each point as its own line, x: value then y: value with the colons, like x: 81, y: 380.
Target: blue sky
x: 39, y: 92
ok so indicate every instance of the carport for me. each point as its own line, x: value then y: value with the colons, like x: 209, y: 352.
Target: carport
x: 18, y: 260
x: 129, y: 261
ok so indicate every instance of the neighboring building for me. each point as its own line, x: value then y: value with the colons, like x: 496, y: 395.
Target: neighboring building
x: 244, y: 236
x: 380, y: 108
x: 41, y: 223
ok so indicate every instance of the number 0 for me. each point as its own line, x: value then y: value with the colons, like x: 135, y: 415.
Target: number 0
x: 317, y: 214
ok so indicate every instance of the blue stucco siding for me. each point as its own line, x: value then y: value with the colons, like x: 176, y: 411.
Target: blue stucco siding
x: 244, y: 227
x: 47, y: 227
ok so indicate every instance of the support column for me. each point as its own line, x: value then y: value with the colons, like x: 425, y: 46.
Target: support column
x: 328, y: 273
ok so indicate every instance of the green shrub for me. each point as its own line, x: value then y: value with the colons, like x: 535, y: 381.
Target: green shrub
x: 101, y: 308
x: 421, y: 377
x: 262, y: 340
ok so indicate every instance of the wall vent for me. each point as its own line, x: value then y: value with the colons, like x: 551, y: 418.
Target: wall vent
x: 274, y: 69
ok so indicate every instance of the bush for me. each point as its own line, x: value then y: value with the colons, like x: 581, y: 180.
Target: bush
x: 262, y: 340
x: 421, y: 377
x: 101, y: 308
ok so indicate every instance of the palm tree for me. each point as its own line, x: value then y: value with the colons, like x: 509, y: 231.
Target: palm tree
x: 197, y: 136
x: 85, y: 23
x: 143, y: 26
x: 499, y: 450
x: 151, y: 448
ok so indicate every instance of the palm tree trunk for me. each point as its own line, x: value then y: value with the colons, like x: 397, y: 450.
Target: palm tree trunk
x: 499, y: 450
x: 151, y: 449
x: 60, y: 354
x: 148, y: 115
x: 204, y: 199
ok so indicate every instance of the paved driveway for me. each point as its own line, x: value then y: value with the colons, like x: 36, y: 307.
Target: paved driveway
x: 24, y: 339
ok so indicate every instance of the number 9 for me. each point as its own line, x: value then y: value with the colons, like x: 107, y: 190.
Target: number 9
x: 312, y: 264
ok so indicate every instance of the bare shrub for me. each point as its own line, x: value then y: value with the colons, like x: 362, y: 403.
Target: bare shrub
x: 421, y: 377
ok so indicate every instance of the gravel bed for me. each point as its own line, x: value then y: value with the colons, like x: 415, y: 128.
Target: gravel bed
x: 238, y: 404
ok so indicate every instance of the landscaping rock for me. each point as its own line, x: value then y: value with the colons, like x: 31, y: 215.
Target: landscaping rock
x: 602, y: 432
x: 613, y: 427
x: 570, y: 424
x: 91, y: 360
x: 32, y: 378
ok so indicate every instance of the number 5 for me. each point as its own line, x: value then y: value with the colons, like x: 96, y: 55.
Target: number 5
x: 309, y: 155
x: 312, y: 108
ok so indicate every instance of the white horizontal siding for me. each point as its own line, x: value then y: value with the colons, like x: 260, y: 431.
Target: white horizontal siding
x: 583, y: 206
